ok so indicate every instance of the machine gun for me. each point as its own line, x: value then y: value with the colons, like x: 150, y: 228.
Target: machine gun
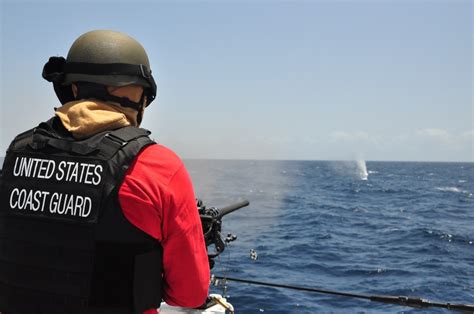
x: 211, y: 219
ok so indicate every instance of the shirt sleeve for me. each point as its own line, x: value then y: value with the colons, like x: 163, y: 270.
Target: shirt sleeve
x: 157, y: 197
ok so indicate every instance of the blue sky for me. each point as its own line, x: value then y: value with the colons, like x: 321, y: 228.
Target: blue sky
x: 378, y: 80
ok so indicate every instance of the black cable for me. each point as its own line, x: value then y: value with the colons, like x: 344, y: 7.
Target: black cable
x: 397, y: 300
x: 277, y: 285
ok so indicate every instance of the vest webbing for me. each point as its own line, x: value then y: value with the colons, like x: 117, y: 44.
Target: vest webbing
x: 73, y: 263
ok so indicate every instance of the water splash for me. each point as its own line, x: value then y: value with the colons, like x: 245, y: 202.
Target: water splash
x: 452, y: 189
x: 355, y: 168
x: 362, y: 169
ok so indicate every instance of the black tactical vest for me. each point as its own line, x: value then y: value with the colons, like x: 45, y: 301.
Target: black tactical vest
x: 65, y: 246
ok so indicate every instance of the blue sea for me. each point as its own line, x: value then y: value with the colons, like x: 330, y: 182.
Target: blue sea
x: 374, y: 228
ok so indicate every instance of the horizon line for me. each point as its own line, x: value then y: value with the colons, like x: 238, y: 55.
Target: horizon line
x: 320, y: 160
x: 328, y: 160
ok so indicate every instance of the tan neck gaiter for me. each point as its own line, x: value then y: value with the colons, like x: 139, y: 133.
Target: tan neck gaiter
x: 84, y: 118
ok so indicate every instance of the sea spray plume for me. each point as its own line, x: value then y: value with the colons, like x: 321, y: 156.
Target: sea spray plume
x: 362, y: 168
x: 354, y: 168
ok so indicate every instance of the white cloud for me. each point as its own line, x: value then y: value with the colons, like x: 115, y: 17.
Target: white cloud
x: 435, y: 134
x: 355, y: 138
x: 468, y: 135
x: 433, y: 144
x: 444, y: 137
x: 350, y: 136
x: 421, y: 144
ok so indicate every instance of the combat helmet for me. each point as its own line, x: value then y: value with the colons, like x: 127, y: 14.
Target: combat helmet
x: 98, y: 59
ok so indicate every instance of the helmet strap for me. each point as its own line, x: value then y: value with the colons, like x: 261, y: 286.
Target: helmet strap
x: 140, y: 109
x: 87, y: 90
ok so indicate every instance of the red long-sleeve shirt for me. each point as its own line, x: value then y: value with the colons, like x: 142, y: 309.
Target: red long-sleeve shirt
x: 157, y: 197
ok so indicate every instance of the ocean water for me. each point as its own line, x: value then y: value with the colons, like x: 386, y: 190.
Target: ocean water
x: 376, y: 228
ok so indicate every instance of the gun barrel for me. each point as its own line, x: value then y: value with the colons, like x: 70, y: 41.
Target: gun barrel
x: 229, y: 209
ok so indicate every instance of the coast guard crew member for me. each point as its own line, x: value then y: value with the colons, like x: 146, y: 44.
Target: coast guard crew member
x: 95, y: 217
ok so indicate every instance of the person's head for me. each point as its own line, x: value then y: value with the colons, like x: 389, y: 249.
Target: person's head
x: 106, y: 65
